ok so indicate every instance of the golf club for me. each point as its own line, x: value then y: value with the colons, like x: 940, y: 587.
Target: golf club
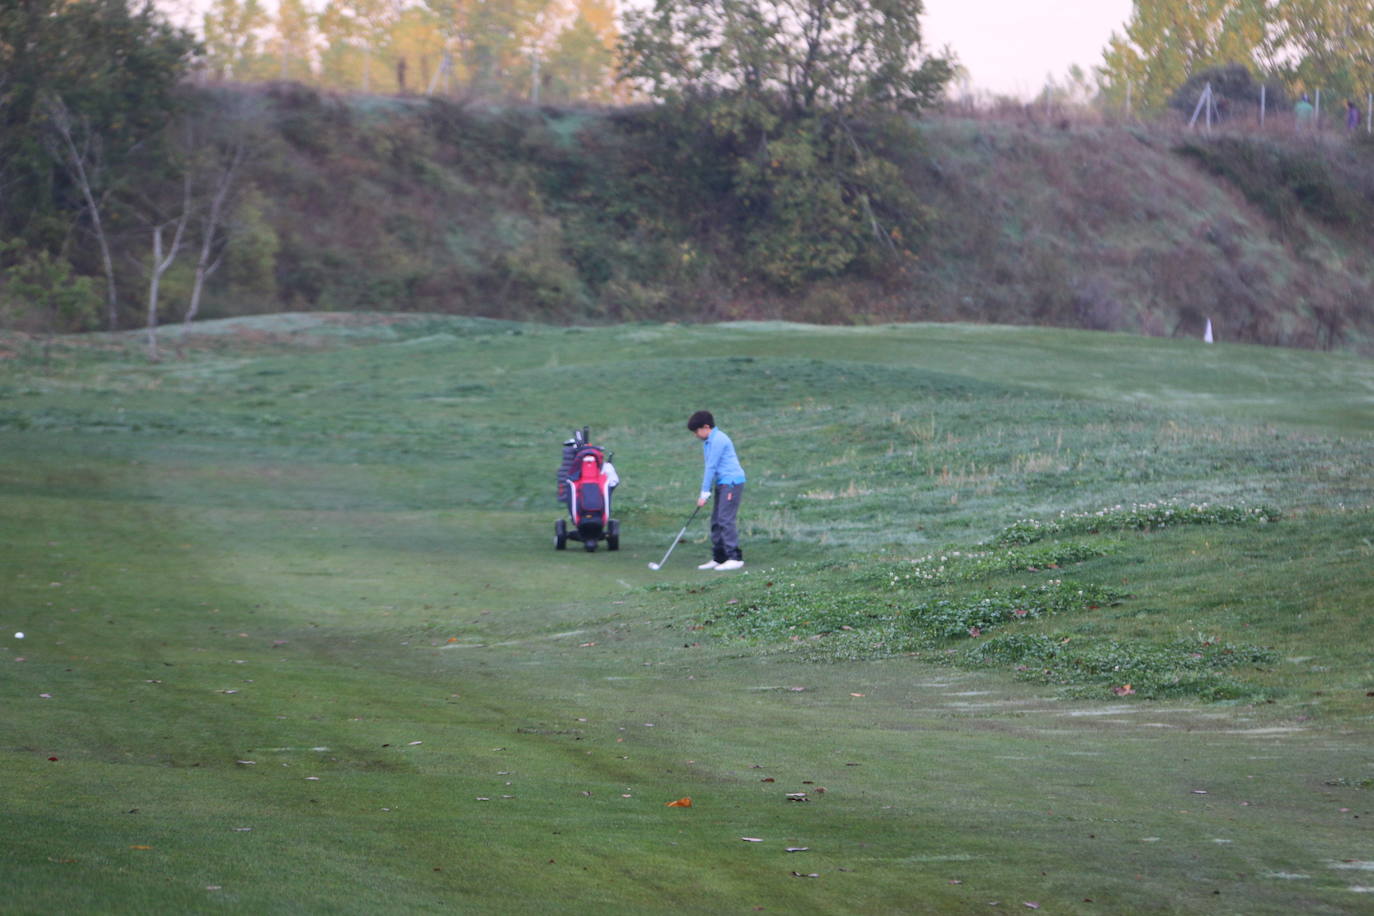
x: 690, y: 518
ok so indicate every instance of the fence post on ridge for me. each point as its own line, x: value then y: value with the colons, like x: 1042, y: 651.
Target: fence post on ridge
x: 1204, y: 98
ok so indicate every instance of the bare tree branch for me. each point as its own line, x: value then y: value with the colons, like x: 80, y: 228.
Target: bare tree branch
x: 79, y: 150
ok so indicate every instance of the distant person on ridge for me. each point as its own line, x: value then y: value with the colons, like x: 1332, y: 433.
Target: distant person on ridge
x: 725, y: 478
x: 1352, y: 115
x: 1304, y: 112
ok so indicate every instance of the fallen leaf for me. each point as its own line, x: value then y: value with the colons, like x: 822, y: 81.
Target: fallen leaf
x: 1124, y: 690
x: 797, y: 796
x: 797, y: 874
x: 856, y: 694
x: 140, y: 847
x: 752, y: 839
x: 798, y: 848
x: 1031, y: 905
x: 680, y: 803
x: 453, y: 639
x: 586, y: 645
x: 764, y: 779
x: 955, y: 881
x: 413, y: 743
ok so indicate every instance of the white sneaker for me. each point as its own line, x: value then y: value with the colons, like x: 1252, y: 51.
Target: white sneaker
x: 709, y: 564
x: 729, y: 564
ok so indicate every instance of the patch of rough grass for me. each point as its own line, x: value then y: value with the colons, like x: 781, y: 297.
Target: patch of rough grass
x: 1142, y: 668
x: 1138, y: 517
x: 866, y: 611
x: 807, y: 602
x: 973, y: 616
x: 952, y: 566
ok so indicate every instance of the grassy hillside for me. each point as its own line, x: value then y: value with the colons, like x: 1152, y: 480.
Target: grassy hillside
x: 574, y: 216
x: 1029, y: 617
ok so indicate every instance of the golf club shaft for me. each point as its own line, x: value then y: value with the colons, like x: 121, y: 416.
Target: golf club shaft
x: 690, y: 519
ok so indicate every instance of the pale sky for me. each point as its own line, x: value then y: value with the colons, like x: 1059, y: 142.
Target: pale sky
x: 1010, y: 46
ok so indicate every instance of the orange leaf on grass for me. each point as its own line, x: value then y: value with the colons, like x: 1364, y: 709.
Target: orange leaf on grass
x: 680, y: 803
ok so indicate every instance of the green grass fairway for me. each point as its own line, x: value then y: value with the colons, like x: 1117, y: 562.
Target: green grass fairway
x: 1031, y: 619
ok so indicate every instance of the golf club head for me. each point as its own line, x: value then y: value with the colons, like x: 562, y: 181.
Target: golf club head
x: 653, y: 566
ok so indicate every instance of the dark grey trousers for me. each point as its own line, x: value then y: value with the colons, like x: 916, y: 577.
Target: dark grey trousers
x: 724, y: 531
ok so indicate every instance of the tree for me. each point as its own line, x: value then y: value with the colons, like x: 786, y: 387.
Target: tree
x: 807, y: 105
x: 581, y: 61
x: 840, y: 56
x: 417, y: 48
x: 291, y: 42
x: 46, y: 293
x: 357, y: 31
x: 1326, y: 44
x: 1166, y: 41
x: 72, y: 143
x: 113, y: 69
x: 487, y: 42
x: 218, y: 152
x: 231, y: 39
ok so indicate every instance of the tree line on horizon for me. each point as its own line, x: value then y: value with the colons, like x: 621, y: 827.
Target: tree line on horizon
x: 555, y: 51
x: 1297, y: 45
x: 568, y: 50
x: 780, y: 130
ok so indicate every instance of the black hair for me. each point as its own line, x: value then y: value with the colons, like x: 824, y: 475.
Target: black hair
x: 699, y: 419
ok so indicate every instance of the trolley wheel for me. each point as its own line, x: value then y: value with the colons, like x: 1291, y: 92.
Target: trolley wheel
x: 560, y: 535
x: 613, y: 534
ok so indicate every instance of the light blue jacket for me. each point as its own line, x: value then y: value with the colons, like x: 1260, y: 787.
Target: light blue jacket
x: 722, y: 464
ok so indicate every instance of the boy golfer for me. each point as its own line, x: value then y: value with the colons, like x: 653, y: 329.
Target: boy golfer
x: 725, y: 478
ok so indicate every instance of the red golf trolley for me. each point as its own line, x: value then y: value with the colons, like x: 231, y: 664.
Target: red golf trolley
x: 586, y: 480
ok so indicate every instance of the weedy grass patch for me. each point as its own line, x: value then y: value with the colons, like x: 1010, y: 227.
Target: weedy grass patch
x: 1139, y: 518
x: 296, y: 636
x: 872, y: 613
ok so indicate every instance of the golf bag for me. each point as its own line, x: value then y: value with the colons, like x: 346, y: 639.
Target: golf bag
x: 586, y: 480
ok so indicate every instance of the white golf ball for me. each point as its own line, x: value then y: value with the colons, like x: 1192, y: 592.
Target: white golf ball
x: 18, y: 635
